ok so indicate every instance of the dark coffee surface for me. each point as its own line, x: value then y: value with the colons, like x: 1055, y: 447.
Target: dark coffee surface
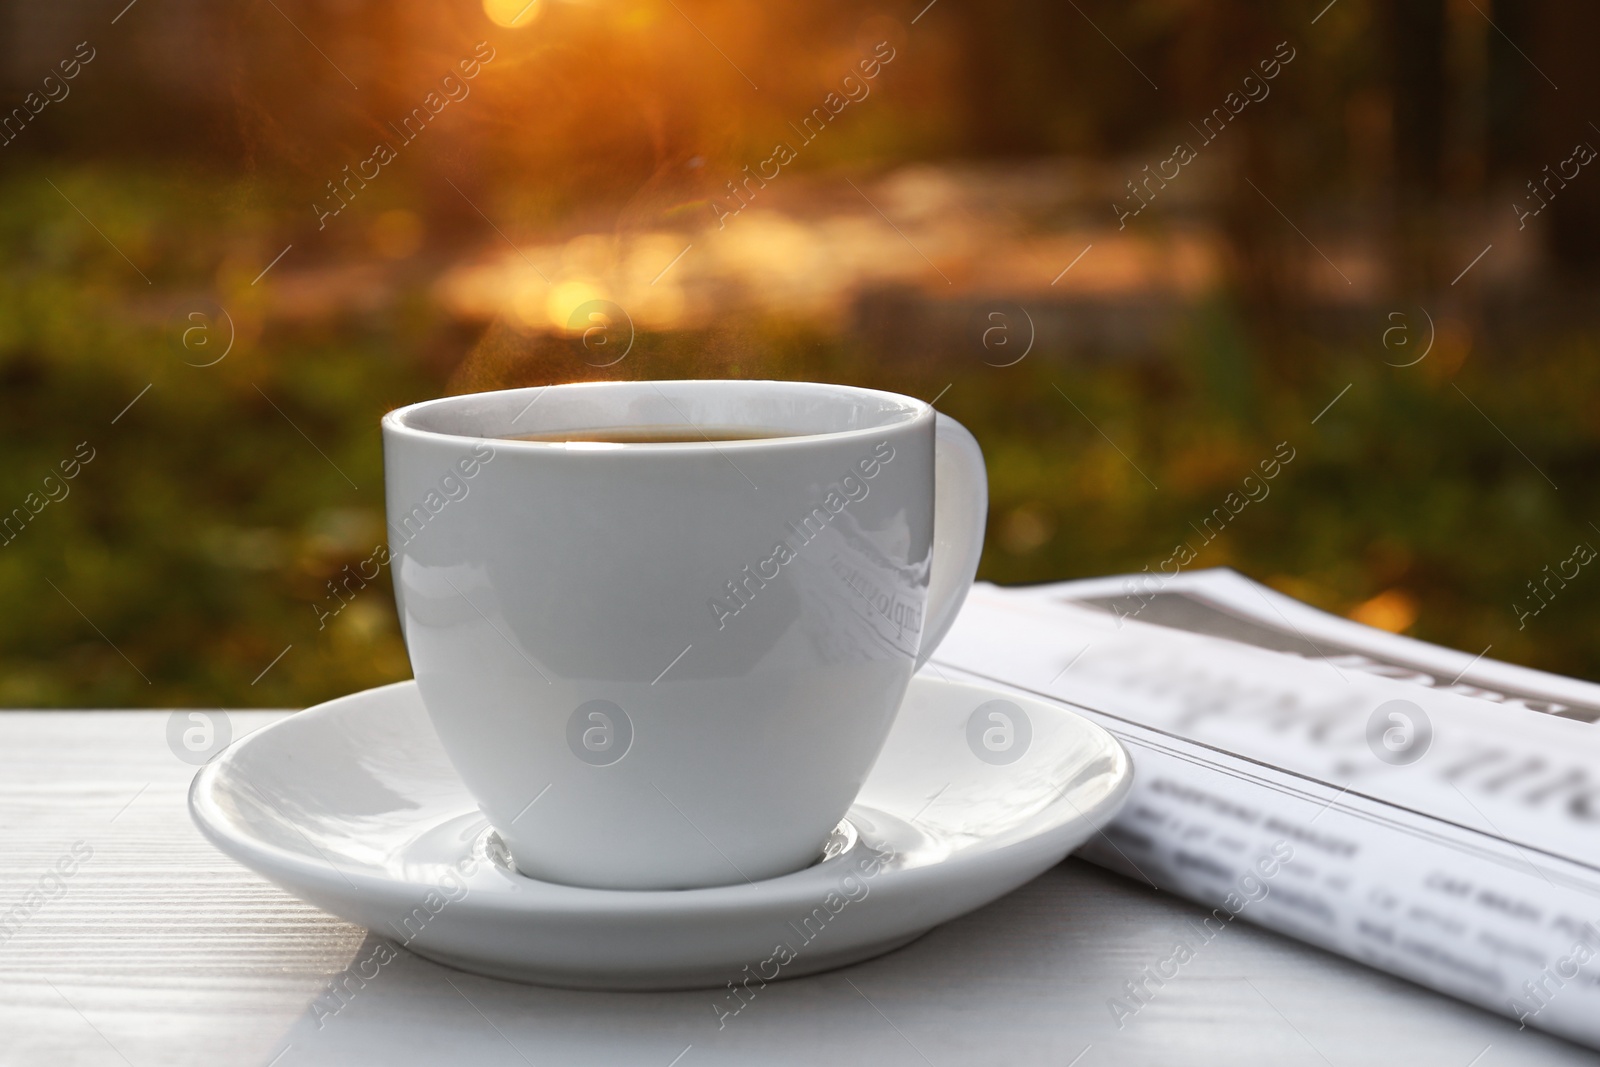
x: 655, y: 435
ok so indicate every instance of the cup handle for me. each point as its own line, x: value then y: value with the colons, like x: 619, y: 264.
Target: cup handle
x: 960, y: 513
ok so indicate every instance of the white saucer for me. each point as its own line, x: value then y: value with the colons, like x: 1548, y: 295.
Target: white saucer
x: 353, y: 806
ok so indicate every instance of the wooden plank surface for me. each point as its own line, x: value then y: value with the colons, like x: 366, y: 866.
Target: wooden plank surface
x: 156, y: 949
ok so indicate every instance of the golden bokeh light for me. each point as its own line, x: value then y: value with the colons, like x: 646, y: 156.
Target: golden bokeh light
x: 517, y: 14
x: 1393, y: 610
x: 564, y: 301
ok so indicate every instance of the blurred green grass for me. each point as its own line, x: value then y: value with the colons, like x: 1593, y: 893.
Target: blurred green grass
x: 190, y: 551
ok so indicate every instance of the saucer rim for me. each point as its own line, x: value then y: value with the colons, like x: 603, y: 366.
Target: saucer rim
x: 306, y: 874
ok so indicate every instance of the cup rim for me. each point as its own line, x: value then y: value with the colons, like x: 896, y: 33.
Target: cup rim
x: 900, y: 411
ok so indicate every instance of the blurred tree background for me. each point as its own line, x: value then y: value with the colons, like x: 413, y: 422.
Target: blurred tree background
x: 1380, y: 246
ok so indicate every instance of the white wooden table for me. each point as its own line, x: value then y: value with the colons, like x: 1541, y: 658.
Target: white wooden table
x: 158, y: 950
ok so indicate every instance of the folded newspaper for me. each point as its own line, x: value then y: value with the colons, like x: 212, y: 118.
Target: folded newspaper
x: 1441, y: 811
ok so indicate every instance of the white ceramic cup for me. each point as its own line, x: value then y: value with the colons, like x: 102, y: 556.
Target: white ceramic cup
x: 671, y: 665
